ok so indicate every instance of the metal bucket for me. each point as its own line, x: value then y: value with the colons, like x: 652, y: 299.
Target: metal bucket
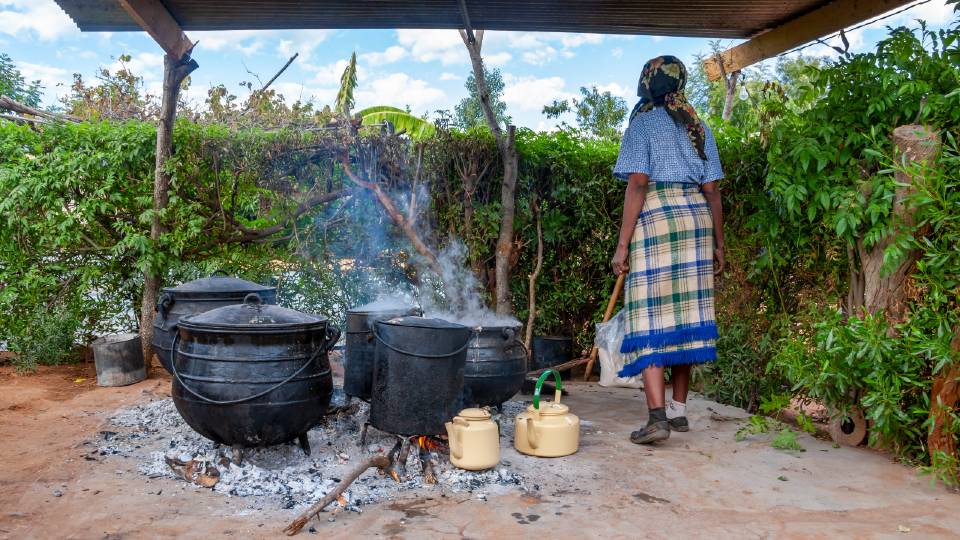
x: 549, y: 351
x: 119, y: 360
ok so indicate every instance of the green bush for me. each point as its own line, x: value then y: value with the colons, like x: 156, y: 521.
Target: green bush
x: 47, y: 340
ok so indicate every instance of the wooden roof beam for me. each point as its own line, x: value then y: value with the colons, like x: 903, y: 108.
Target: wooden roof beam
x: 154, y: 18
x: 816, y: 24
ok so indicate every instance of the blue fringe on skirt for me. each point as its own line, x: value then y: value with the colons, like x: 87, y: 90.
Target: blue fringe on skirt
x: 671, y: 358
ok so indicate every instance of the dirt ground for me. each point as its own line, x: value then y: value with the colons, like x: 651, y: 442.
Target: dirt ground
x: 701, y: 484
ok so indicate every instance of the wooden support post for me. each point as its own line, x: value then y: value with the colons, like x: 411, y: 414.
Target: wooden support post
x: 830, y: 18
x: 175, y: 70
x: 154, y: 18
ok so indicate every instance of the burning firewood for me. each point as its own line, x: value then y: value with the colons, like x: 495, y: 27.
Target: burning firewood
x: 199, y: 472
x: 381, y: 462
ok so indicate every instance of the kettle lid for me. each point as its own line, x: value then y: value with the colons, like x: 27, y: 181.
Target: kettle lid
x: 551, y: 408
x: 475, y: 414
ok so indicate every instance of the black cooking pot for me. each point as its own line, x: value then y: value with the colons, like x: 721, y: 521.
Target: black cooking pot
x: 252, y: 374
x: 549, y: 351
x: 360, y: 347
x: 417, y: 374
x: 496, y: 366
x: 198, y: 296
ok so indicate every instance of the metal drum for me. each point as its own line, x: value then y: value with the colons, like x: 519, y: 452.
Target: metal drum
x: 417, y: 375
x: 496, y: 366
x: 360, y: 347
x: 198, y: 296
x: 253, y: 374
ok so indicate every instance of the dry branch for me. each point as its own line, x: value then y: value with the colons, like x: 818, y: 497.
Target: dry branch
x: 284, y: 68
x: 381, y: 462
x: 17, y: 107
x: 397, y: 217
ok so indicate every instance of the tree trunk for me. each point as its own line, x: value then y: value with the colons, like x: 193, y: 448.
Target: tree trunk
x: 508, y: 200
x: 532, y: 306
x: 888, y: 293
x: 944, y: 404
x: 506, y: 143
x: 175, y: 70
x: 730, y: 82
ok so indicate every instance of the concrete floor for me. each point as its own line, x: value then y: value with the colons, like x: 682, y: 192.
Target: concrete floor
x: 701, y: 484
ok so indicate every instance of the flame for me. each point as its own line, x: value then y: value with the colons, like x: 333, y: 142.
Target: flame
x: 429, y: 443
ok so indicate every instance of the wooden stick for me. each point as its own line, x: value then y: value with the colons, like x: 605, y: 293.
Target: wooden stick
x: 560, y: 367
x: 381, y: 462
x: 617, y: 289
x: 284, y: 68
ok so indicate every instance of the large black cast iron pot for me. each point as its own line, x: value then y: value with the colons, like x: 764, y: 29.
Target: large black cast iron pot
x: 358, y: 360
x: 253, y: 374
x: 496, y: 366
x: 198, y: 296
x: 417, y: 374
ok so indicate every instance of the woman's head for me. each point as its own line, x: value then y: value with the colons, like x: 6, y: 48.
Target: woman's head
x: 661, y: 76
x: 661, y: 85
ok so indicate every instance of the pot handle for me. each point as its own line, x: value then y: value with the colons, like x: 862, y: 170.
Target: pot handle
x: 201, y: 397
x: 536, y: 391
x: 219, y: 272
x: 332, y: 337
x: 163, y: 305
x: 408, y: 353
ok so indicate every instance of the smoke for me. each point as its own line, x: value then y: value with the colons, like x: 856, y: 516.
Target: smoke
x: 457, y: 296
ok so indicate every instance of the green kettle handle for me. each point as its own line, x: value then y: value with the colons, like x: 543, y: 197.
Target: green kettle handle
x: 539, y: 387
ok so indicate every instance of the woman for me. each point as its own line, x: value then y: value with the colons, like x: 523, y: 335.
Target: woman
x: 672, y: 234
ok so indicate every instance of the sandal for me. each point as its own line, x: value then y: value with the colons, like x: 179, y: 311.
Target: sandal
x: 653, y: 432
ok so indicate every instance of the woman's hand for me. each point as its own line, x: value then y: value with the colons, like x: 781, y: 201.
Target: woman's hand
x: 619, y: 262
x: 718, y: 261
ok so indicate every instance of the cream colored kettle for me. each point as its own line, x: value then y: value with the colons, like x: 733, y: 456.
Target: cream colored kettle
x: 549, y: 430
x: 474, y: 440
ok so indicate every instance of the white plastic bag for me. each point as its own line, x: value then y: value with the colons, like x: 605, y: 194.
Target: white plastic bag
x: 609, y: 337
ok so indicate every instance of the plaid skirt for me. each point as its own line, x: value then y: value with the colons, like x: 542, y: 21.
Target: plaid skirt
x: 669, y: 291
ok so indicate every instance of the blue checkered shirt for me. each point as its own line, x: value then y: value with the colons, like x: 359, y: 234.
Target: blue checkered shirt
x: 659, y: 147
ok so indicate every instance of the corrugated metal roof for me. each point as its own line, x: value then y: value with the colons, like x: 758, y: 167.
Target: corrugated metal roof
x: 701, y: 18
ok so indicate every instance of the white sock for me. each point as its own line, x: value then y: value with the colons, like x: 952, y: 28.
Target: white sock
x: 676, y: 409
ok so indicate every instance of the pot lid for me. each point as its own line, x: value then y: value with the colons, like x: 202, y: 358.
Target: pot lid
x: 421, y: 322
x: 550, y: 409
x: 475, y: 414
x: 218, y: 282
x: 253, y: 314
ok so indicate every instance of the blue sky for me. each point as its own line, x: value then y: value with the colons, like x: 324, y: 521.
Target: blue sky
x: 422, y: 69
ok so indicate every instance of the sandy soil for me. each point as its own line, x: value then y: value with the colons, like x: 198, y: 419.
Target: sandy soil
x: 698, y: 484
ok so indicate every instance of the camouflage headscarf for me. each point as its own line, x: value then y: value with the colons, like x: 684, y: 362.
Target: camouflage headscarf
x: 661, y: 85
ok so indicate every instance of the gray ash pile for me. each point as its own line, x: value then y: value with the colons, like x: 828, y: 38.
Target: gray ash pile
x: 283, y: 476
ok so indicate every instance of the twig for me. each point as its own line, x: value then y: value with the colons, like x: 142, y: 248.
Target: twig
x: 381, y: 462
x: 284, y: 68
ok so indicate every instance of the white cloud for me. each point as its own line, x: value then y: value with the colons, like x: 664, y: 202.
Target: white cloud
x: 447, y: 76
x: 400, y: 90
x: 615, y: 89
x: 392, y: 54
x: 42, y: 18
x: 531, y: 94
x: 146, y: 65
x: 617, y: 52
x: 935, y: 13
x: 300, y: 41
x: 56, y: 81
x: 220, y: 40
x: 296, y: 91
x: 571, y: 41
x: 444, y: 46
x: 538, y: 57
x: 497, y: 59
x: 330, y: 74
